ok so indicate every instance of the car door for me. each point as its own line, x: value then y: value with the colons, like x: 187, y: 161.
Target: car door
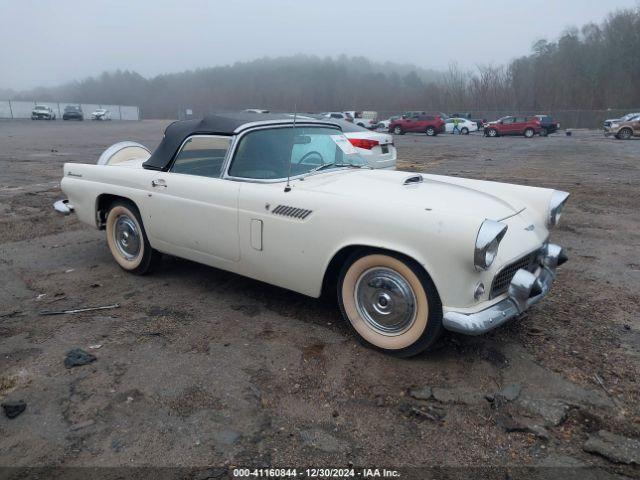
x: 276, y: 243
x: 636, y: 126
x: 408, y: 124
x: 519, y: 125
x: 508, y: 126
x: 192, y: 211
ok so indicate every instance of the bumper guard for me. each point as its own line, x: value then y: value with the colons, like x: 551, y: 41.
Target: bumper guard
x: 525, y: 289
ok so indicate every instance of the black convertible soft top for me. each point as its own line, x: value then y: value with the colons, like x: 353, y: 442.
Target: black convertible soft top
x: 218, y: 124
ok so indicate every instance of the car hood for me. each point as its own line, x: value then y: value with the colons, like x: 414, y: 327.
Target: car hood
x: 412, y: 190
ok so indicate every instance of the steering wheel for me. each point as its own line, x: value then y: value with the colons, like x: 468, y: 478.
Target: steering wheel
x: 308, y: 154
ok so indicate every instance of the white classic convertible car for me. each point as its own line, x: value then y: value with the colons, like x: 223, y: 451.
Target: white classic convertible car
x: 292, y: 204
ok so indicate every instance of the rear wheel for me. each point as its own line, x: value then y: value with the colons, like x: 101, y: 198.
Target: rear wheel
x: 529, y: 133
x: 492, y: 132
x: 398, y: 130
x: 127, y: 239
x: 464, y: 131
x: 431, y: 132
x: 390, y: 302
x: 625, y: 134
x: 544, y: 132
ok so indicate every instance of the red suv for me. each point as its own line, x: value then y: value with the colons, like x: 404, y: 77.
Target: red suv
x: 432, y: 125
x: 527, y: 126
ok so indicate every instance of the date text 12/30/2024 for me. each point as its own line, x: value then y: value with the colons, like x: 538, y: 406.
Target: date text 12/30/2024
x: 315, y: 473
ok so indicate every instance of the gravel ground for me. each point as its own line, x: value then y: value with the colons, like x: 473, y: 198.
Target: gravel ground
x: 202, y: 367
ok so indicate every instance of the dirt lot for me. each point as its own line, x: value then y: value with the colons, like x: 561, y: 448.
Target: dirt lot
x: 202, y: 367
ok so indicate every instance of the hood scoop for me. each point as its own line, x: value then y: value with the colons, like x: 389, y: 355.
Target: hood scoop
x: 413, y: 179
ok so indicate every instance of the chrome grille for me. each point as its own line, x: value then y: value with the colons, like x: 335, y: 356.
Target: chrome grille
x: 502, y: 280
x: 293, y: 212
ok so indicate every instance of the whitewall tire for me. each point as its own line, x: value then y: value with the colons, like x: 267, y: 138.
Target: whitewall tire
x: 390, y: 302
x: 127, y: 239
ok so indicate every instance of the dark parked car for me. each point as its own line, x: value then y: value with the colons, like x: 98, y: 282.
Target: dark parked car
x: 547, y: 125
x: 527, y: 126
x: 73, y: 112
x: 431, y: 125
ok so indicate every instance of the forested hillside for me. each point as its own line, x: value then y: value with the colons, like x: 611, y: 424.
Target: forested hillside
x: 594, y: 67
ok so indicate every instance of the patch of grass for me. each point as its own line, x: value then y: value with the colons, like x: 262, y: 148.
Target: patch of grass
x: 6, y: 384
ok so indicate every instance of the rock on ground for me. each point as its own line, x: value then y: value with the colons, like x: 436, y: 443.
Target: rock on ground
x: 615, y: 448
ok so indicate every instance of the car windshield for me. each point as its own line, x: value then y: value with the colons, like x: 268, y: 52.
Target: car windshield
x: 275, y: 153
x: 41, y: 108
x: 70, y: 108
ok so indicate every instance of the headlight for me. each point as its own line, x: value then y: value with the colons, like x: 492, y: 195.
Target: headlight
x: 614, y: 125
x: 558, y: 201
x: 488, y: 240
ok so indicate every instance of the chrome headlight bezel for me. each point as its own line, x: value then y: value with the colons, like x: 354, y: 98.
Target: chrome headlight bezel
x: 556, y: 206
x: 490, y: 234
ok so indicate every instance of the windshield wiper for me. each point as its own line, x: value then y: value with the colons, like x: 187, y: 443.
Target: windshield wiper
x: 334, y: 164
x: 323, y: 166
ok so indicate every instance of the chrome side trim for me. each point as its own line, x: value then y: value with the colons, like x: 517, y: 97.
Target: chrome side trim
x: 525, y: 290
x: 284, y: 122
x: 63, y: 207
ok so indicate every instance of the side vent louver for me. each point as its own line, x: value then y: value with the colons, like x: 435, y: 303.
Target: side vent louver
x: 293, y: 212
x: 413, y: 179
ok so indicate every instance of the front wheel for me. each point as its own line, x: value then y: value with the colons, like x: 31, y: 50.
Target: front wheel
x: 397, y: 130
x: 464, y: 131
x: 544, y: 132
x: 128, y: 241
x: 529, y: 133
x: 624, y: 134
x: 390, y: 302
x: 492, y: 132
x: 431, y: 132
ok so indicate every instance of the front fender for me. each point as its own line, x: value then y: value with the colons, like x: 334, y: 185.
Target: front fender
x: 442, y: 246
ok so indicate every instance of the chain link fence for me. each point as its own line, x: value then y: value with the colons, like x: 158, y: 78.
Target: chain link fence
x: 21, y: 109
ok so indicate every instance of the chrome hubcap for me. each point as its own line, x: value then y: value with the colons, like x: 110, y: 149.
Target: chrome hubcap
x: 385, y: 301
x: 127, y: 238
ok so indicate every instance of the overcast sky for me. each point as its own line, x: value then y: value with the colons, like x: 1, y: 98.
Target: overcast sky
x: 50, y: 42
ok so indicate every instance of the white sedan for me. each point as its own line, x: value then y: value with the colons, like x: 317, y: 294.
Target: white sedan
x: 101, y: 114
x: 465, y: 126
x: 294, y: 205
x: 375, y: 147
x: 384, y: 124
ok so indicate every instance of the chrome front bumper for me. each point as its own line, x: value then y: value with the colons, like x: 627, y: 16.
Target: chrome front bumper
x: 526, y: 288
x: 63, y: 207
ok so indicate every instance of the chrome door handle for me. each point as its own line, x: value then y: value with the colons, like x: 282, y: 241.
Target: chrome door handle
x: 159, y: 183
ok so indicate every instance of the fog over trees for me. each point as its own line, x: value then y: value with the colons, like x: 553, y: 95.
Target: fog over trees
x: 594, y: 67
